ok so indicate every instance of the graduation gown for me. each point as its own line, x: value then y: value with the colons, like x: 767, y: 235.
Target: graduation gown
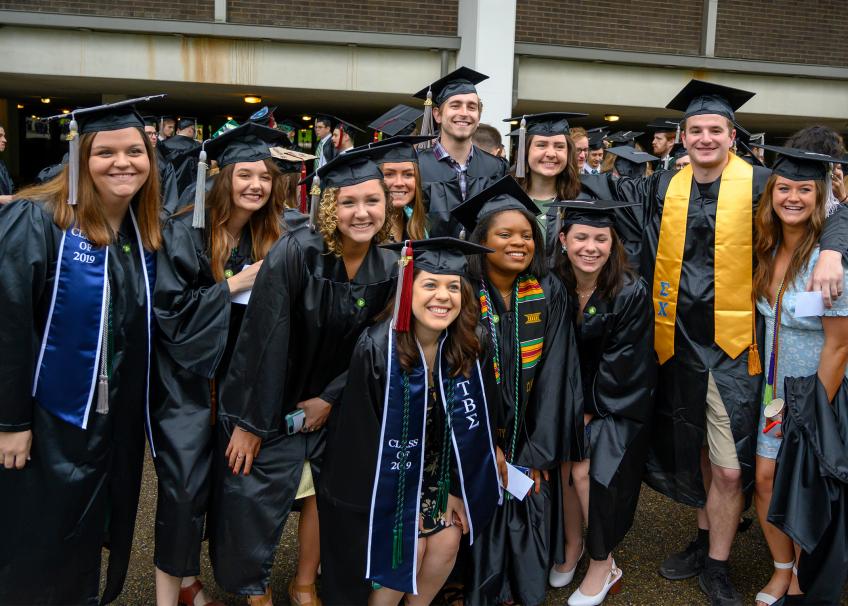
x: 679, y: 423
x: 296, y: 340
x: 182, y: 153
x: 80, y: 489
x: 347, y: 476
x: 511, y: 557
x: 167, y: 185
x: 810, y: 497
x: 7, y: 188
x: 442, y: 193
x: 197, y: 328
x: 618, y: 373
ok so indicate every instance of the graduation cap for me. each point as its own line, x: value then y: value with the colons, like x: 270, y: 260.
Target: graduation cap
x: 185, y: 122
x: 595, y: 213
x: 400, y: 120
x: 342, y: 125
x: 249, y: 142
x: 546, y: 124
x: 443, y: 256
x: 678, y: 150
x: 745, y: 139
x: 264, y: 116
x: 624, y: 137
x: 99, y: 118
x: 664, y: 125
x: 596, y: 140
x: 459, y: 82
x: 629, y: 161
x: 289, y: 160
x: 400, y: 148
x: 699, y: 97
x: 503, y: 194
x: 287, y: 125
x: 800, y: 164
x: 151, y: 121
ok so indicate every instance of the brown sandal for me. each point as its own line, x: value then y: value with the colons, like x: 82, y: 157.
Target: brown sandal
x: 260, y: 600
x: 294, y: 590
x: 187, y: 595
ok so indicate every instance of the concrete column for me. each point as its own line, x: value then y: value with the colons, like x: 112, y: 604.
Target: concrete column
x: 487, y: 32
x: 708, y: 28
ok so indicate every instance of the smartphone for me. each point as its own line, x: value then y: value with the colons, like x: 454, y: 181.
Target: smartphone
x: 524, y: 470
x: 294, y: 421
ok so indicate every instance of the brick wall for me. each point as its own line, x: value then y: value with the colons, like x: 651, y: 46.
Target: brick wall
x: 788, y: 31
x: 194, y: 10
x: 432, y: 17
x: 662, y: 26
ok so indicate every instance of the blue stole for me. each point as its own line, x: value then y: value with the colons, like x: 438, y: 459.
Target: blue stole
x: 400, y: 466
x: 68, y: 363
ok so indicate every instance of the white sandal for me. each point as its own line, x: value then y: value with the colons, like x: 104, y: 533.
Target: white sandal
x: 768, y: 599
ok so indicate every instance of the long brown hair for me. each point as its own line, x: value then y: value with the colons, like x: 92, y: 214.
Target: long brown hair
x: 462, y: 347
x: 287, y: 183
x: 328, y: 220
x: 88, y: 213
x: 567, y: 182
x: 768, y: 231
x: 613, y: 273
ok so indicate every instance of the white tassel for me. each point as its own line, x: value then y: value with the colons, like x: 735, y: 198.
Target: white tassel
x: 73, y: 161
x: 102, y: 395
x: 427, y: 127
x: 521, y: 156
x: 198, y: 220
x: 102, y: 406
x: 314, y: 202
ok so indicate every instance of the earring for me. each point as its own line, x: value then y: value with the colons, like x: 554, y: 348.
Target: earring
x: 564, y: 250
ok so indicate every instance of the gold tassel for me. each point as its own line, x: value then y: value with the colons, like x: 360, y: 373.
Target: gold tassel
x: 754, y: 367
x: 427, y: 127
x: 521, y: 156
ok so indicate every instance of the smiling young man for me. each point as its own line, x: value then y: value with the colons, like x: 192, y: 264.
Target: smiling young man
x: 697, y: 253
x: 455, y: 169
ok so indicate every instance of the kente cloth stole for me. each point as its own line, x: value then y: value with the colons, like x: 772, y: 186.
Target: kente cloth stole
x: 733, y: 308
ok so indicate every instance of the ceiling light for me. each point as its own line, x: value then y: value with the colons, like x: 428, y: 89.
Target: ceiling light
x: 306, y: 118
x: 66, y: 111
x: 252, y: 99
x: 45, y: 100
x: 20, y: 105
x: 229, y: 117
x: 611, y: 117
x: 513, y: 122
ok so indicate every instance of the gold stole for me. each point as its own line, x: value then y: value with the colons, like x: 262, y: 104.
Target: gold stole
x: 734, y: 309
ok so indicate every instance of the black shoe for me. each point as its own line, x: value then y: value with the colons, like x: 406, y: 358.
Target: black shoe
x: 685, y: 564
x: 715, y: 583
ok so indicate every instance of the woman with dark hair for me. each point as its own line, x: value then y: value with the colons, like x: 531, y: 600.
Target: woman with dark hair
x: 78, y: 267
x: 787, y: 227
x: 535, y: 363
x: 416, y: 408
x: 612, y: 319
x: 317, y: 290
x: 203, y: 276
x: 824, y: 140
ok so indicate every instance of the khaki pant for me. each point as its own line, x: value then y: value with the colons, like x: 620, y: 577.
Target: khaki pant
x: 722, y: 447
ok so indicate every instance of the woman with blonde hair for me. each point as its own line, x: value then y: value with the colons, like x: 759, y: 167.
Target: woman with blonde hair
x: 78, y: 268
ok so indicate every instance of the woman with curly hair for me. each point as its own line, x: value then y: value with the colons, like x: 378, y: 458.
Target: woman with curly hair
x: 317, y: 290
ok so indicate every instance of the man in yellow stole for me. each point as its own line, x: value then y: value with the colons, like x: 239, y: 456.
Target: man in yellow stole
x: 697, y: 253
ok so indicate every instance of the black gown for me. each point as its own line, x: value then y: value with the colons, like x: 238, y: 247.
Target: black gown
x: 298, y: 334
x: 347, y: 477
x: 167, y: 185
x: 618, y: 372
x: 810, y: 498
x: 182, y: 152
x: 511, y: 557
x: 80, y: 490
x: 7, y: 188
x: 442, y: 193
x: 197, y: 328
x: 679, y: 423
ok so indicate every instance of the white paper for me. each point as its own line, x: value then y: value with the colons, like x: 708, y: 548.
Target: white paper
x: 244, y: 296
x: 809, y: 304
x: 518, y: 484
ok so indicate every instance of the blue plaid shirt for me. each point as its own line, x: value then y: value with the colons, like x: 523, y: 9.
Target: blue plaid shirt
x: 460, y: 169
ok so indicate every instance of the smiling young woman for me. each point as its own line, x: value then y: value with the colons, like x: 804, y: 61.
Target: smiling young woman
x: 75, y: 294
x: 316, y: 292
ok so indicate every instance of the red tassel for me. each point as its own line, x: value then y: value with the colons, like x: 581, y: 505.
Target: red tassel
x: 404, y: 311
x: 341, y: 136
x: 303, y: 197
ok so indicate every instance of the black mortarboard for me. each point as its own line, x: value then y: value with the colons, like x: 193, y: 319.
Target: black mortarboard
x: 596, y: 140
x: 400, y: 120
x: 335, y: 121
x: 504, y: 194
x: 289, y: 160
x: 400, y: 148
x: 598, y: 129
x: 745, y: 139
x: 547, y: 124
x: 287, y: 124
x: 185, y: 122
x: 459, y: 82
x: 247, y: 143
x: 800, y: 164
x: 445, y: 256
x: 350, y: 168
x: 699, y: 97
x: 630, y: 162
x: 112, y: 116
x: 664, y: 125
x: 167, y: 117
x: 264, y: 116
x: 678, y: 151
x: 624, y: 137
x: 151, y: 121
x: 595, y: 213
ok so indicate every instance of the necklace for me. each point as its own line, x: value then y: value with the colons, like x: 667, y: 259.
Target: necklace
x: 584, y: 295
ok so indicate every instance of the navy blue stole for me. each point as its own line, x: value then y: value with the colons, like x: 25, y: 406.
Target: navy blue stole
x: 67, y: 368
x: 396, y: 495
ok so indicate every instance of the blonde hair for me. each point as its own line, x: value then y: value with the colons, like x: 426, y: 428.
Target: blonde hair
x: 328, y: 220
